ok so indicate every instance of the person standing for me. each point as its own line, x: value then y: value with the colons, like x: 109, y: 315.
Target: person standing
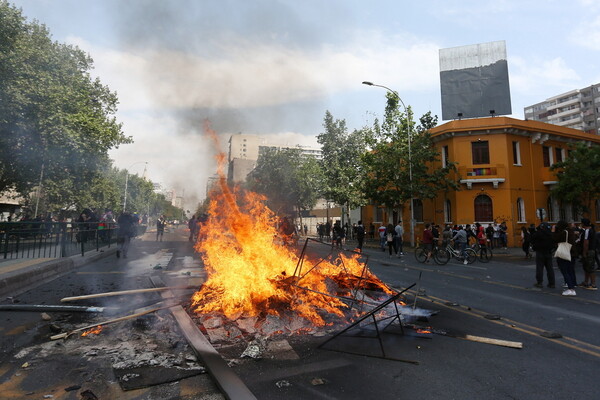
x: 390, y: 234
x: 126, y: 231
x: 563, y: 233
x: 588, y: 254
x: 525, y: 242
x: 360, y: 235
x: 489, y: 233
x: 399, y: 239
x: 338, y: 235
x: 193, y: 226
x: 160, y: 227
x: 382, y: 238
x: 446, y: 236
x: 543, y: 244
x: 503, y: 235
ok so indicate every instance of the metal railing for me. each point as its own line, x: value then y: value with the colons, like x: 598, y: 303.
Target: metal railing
x: 35, y: 239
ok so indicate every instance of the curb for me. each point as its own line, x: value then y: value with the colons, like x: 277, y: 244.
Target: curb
x: 23, y: 279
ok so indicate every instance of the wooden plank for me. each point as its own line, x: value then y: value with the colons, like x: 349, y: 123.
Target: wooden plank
x: 497, y: 342
x: 123, y: 293
x: 229, y: 383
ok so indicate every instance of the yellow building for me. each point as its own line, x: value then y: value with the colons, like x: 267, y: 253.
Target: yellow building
x: 504, y: 170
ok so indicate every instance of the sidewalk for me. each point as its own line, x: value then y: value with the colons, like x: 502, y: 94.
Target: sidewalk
x: 21, y: 274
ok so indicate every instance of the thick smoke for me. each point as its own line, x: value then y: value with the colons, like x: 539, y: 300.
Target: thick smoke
x: 233, y: 63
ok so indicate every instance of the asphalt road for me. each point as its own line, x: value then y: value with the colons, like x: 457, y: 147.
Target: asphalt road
x: 495, y: 300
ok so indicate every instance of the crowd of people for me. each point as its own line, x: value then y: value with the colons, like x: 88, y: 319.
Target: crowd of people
x: 582, y: 242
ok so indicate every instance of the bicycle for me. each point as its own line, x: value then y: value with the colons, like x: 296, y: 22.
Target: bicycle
x: 484, y: 253
x: 444, y: 255
x: 421, y: 253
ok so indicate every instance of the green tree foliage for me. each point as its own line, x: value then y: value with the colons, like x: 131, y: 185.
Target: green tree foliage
x: 342, y: 162
x: 579, y: 177
x: 392, y: 162
x: 52, y: 113
x: 288, y: 179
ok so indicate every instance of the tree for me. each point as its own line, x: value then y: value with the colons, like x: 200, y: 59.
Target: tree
x: 578, y: 177
x: 289, y: 180
x: 397, y: 170
x: 342, y: 163
x: 54, y: 118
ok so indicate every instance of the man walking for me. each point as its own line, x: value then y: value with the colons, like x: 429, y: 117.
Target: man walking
x: 543, y: 245
x: 360, y: 235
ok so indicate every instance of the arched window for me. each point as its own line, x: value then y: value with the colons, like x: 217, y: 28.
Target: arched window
x: 521, y: 210
x: 418, y: 210
x: 483, y: 209
x: 447, y: 211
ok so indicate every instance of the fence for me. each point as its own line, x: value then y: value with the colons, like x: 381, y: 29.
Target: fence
x: 54, y: 239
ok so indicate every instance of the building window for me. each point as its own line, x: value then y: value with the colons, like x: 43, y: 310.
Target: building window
x: 516, y: 148
x: 552, y: 209
x: 520, y: 210
x: 481, y: 152
x: 418, y: 210
x: 597, y: 210
x: 445, y: 156
x: 546, y: 155
x: 378, y: 214
x: 447, y: 211
x: 483, y: 209
x: 560, y: 154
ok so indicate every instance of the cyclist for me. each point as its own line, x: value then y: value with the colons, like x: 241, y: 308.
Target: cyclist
x: 461, y: 239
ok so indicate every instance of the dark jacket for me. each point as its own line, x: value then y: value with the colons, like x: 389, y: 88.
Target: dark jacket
x: 542, y: 241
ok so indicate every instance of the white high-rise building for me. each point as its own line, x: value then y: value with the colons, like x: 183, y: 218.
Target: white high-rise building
x: 577, y: 109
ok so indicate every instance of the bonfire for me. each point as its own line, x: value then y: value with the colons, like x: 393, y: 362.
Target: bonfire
x: 253, y: 273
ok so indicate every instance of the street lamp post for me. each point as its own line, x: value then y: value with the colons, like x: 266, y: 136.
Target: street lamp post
x: 127, y: 181
x: 409, y: 134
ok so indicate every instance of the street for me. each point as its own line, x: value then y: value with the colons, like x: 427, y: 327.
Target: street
x: 559, y: 336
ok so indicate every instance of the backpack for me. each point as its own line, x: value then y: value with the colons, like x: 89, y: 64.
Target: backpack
x: 390, y: 237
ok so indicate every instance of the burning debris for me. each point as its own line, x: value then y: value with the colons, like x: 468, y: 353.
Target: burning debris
x: 253, y: 274
x: 93, y: 331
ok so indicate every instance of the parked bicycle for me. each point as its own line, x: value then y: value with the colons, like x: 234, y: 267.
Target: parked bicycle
x: 484, y: 253
x: 442, y: 256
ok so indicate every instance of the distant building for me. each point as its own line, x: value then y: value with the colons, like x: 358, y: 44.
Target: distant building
x: 577, y: 109
x: 245, y: 150
x: 244, y: 146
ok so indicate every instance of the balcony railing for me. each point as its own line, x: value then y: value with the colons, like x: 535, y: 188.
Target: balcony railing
x: 482, y: 172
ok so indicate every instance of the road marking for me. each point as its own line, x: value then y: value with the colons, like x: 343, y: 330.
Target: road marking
x: 99, y: 272
x: 565, y: 341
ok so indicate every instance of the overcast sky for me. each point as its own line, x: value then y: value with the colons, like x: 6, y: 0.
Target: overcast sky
x: 274, y: 68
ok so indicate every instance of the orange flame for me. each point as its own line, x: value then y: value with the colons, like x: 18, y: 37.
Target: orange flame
x: 250, y: 271
x: 95, y: 331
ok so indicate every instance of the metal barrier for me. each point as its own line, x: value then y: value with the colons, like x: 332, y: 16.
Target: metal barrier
x: 54, y: 239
